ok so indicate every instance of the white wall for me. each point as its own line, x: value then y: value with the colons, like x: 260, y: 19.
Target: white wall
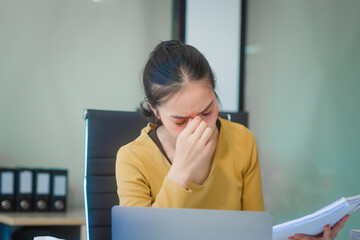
x: 58, y: 58
x: 302, y: 94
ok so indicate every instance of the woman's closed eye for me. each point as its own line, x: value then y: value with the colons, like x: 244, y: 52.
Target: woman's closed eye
x: 206, y: 114
x: 184, y: 121
x: 180, y: 123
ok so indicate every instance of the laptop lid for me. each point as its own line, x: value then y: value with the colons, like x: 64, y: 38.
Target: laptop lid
x: 134, y: 223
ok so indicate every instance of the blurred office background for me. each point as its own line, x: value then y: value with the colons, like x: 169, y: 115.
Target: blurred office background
x: 302, y: 85
x: 302, y: 95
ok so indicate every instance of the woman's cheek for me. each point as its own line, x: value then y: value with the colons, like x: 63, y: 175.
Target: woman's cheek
x: 211, y: 119
x: 178, y: 129
x: 173, y: 128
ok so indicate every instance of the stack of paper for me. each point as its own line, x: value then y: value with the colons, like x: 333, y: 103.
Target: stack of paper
x: 314, y: 223
x: 354, y: 234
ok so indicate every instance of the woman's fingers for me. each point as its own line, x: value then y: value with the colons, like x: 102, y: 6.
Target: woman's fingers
x: 303, y: 237
x: 206, y: 136
x: 339, y: 225
x: 196, y: 128
x: 200, y: 130
x: 327, y: 233
x: 192, y: 126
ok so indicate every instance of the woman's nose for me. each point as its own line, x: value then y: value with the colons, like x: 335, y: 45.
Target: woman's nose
x: 190, y: 119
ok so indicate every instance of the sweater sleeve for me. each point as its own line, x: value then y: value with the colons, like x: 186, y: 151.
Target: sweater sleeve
x: 133, y: 189
x: 252, y: 199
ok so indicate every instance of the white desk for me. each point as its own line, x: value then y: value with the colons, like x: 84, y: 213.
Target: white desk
x: 72, y: 217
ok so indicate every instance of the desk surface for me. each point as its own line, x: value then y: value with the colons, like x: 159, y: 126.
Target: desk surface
x: 70, y: 217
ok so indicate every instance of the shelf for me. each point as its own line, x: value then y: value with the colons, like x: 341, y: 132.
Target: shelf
x: 70, y: 217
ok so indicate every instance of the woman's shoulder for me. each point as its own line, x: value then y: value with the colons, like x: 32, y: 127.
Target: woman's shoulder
x: 138, y: 148
x: 240, y: 141
x: 237, y: 130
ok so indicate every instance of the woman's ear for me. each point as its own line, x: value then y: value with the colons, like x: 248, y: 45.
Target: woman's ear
x: 154, y: 110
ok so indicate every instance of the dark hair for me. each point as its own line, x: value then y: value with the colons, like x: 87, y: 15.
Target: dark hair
x: 171, y: 64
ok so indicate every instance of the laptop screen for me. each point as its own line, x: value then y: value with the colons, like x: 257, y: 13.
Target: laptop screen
x: 179, y: 224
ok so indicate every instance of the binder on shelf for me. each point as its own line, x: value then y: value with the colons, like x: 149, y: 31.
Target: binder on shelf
x: 41, y: 192
x: 58, y: 190
x: 24, y: 190
x: 7, y: 190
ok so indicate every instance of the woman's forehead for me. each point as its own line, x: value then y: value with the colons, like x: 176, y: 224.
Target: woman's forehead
x: 192, y: 100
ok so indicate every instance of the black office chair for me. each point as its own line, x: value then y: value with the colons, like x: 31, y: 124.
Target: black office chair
x: 106, y: 132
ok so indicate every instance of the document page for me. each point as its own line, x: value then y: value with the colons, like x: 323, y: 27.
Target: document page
x: 314, y: 223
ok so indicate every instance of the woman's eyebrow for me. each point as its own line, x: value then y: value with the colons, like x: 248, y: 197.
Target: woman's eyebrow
x: 208, y: 106
x: 205, y: 109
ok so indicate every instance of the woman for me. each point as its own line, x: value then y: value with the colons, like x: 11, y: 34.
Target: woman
x: 187, y: 157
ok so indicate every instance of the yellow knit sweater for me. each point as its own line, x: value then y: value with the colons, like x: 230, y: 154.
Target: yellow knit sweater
x: 234, y: 182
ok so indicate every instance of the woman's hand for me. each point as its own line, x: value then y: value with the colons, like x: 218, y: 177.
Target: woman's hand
x: 195, y: 146
x: 328, y: 234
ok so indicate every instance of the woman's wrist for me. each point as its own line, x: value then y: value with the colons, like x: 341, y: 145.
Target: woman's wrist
x: 179, y: 177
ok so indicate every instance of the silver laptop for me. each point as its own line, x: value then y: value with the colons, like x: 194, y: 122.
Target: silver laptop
x: 137, y: 223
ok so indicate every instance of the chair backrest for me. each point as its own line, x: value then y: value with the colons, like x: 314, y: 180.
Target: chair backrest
x: 106, y: 132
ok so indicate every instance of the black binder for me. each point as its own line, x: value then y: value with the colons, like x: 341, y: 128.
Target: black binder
x: 41, y: 192
x: 7, y: 190
x: 59, y: 180
x: 24, y: 190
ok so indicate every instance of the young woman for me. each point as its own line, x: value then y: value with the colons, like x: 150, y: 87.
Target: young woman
x: 187, y: 157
